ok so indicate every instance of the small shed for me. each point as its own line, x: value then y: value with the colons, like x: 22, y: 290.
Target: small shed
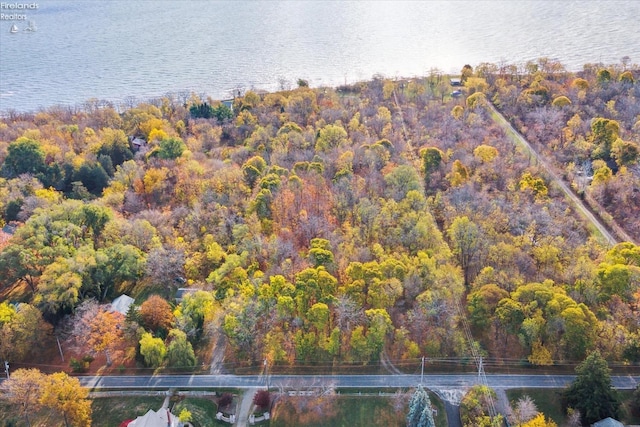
x: 608, y: 422
x: 122, y: 304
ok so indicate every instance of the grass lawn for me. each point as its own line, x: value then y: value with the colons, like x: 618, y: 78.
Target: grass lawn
x: 547, y: 401
x: 107, y: 412
x: 111, y: 411
x: 338, y: 411
x: 345, y: 411
x: 203, y: 411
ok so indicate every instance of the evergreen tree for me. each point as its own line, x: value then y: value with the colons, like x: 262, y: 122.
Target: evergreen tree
x: 417, y: 406
x: 591, y: 392
x: 426, y: 418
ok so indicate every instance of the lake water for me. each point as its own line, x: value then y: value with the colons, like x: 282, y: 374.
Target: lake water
x: 118, y: 49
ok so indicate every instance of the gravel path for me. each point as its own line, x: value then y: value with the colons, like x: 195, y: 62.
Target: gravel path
x: 579, y: 205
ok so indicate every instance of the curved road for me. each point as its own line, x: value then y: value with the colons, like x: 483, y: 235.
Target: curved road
x: 300, y: 382
x: 500, y: 119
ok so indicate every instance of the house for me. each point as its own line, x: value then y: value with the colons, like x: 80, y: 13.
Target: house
x: 162, y: 418
x: 182, y: 292
x: 608, y: 422
x: 137, y: 143
x: 455, y: 82
x: 227, y: 103
x: 122, y: 304
x: 10, y: 228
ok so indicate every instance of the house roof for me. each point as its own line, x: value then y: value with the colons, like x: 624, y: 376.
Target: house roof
x: 608, y: 422
x: 122, y: 304
x: 162, y: 418
x: 182, y: 292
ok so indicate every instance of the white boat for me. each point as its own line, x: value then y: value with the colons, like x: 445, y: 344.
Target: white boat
x: 13, y: 29
x: 31, y: 27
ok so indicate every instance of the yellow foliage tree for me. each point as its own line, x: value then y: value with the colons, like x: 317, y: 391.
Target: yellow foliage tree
x: 106, y: 332
x: 485, y: 153
x: 459, y: 174
x: 457, y: 112
x: 65, y: 395
x: 540, y: 421
x: 540, y: 355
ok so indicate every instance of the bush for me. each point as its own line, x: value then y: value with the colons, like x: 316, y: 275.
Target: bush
x: 225, y: 400
x: 262, y: 399
x: 78, y: 366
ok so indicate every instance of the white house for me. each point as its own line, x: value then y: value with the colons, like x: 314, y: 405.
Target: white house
x: 122, y: 304
x: 608, y: 422
x: 162, y: 418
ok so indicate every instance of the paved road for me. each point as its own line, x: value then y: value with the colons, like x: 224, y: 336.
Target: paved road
x: 300, y: 382
x: 611, y: 239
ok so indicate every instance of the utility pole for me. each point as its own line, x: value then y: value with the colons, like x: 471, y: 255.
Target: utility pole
x: 266, y: 372
x: 60, y: 348
x: 422, y: 371
x: 6, y: 368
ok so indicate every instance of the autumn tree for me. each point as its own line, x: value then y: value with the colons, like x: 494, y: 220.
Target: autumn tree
x: 24, y: 390
x: 23, y: 333
x: 156, y: 314
x: 98, y: 328
x: 540, y: 421
x: 262, y: 399
x: 66, y: 396
x: 475, y: 408
x: 525, y: 410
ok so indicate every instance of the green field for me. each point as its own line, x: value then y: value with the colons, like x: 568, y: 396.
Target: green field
x: 345, y: 411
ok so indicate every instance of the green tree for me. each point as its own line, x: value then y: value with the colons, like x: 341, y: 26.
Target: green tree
x: 591, y: 392
x: 604, y: 132
x: 401, y: 180
x: 465, y: 240
x: 24, y: 156
x: 431, y: 160
x: 330, y: 136
x: 180, y: 353
x: 320, y: 253
x: 153, y: 350
x: 171, y: 148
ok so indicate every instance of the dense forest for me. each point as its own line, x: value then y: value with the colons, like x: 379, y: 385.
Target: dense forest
x: 328, y: 225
